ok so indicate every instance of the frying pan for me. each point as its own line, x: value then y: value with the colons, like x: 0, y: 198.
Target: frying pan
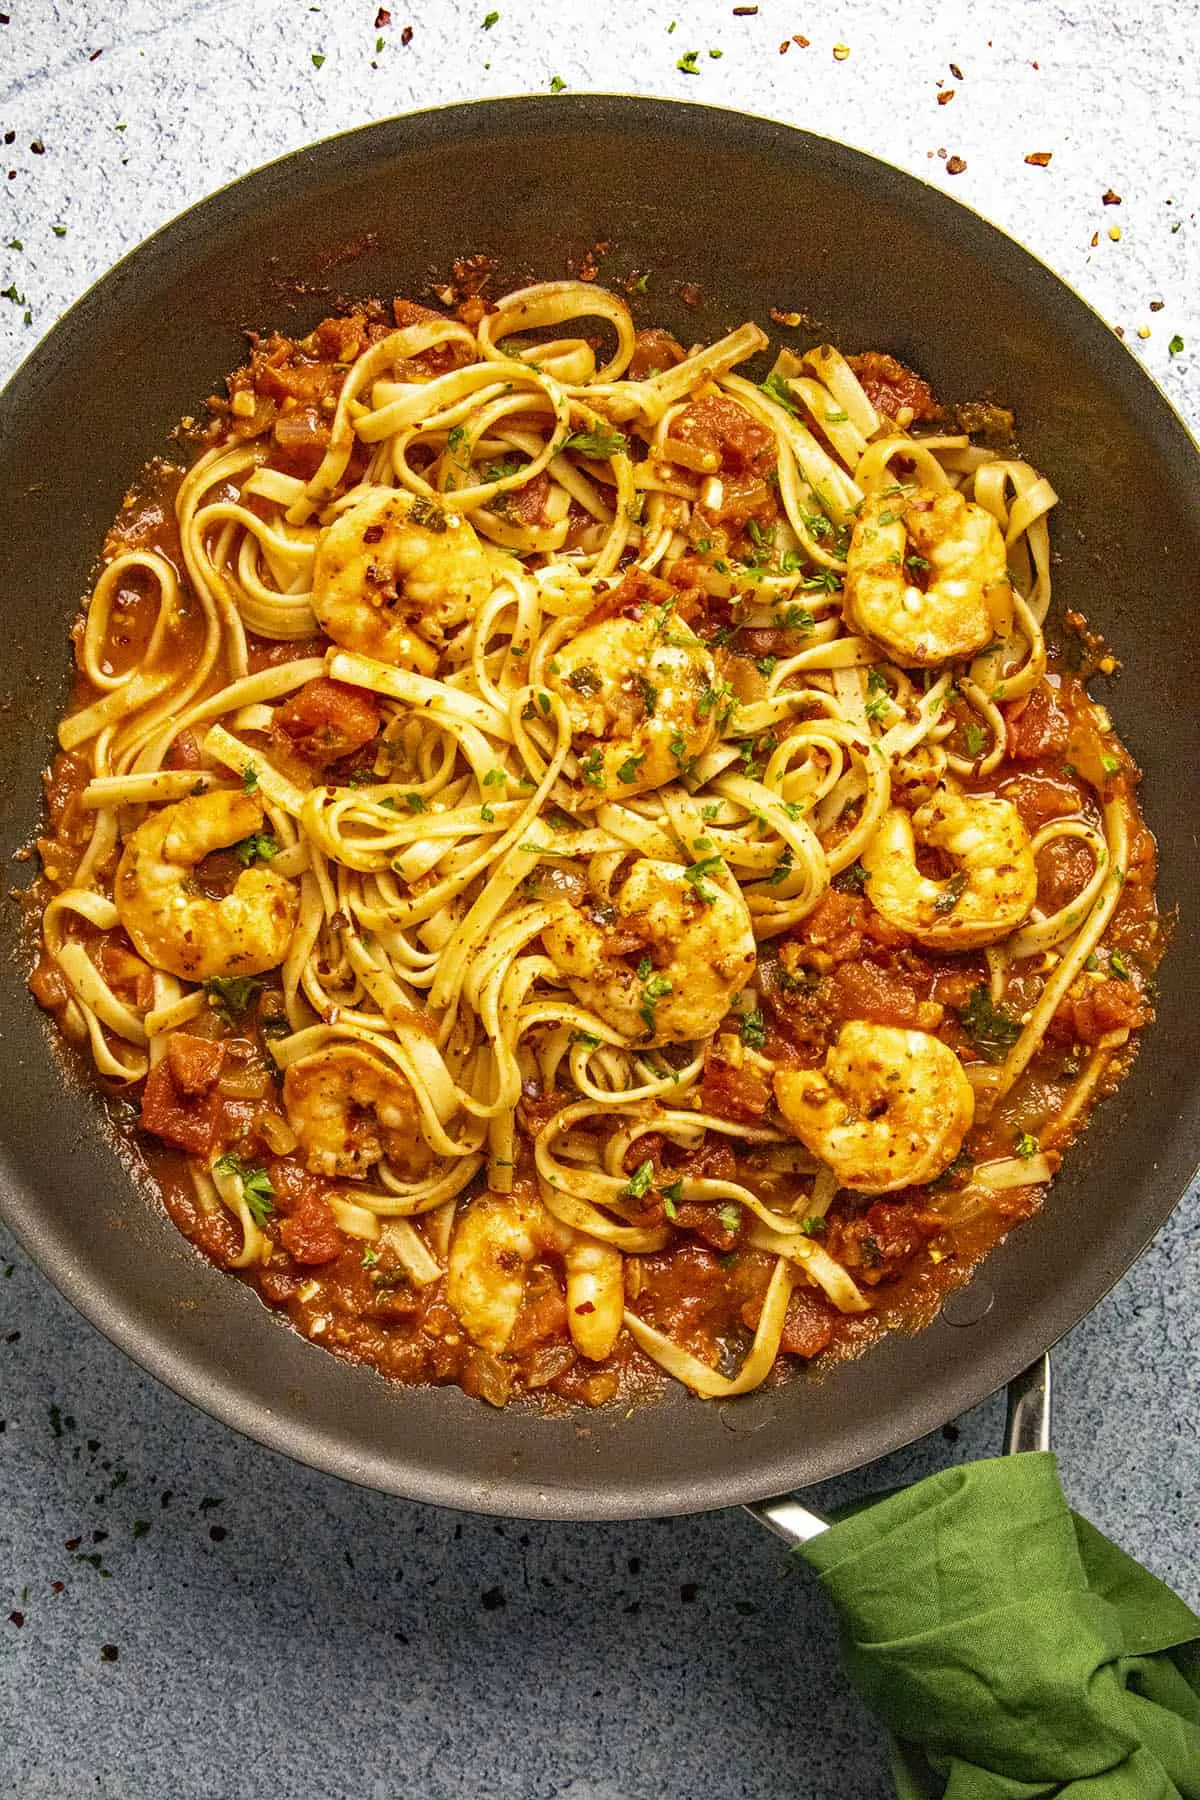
x: 756, y: 215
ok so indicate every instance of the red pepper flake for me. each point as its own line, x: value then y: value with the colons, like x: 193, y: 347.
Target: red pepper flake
x: 945, y: 97
x: 109, y: 1653
x: 744, y: 12
x: 802, y: 42
x: 58, y: 1587
x: 406, y: 36
x: 218, y: 1533
x: 382, y: 17
x: 957, y: 72
x: 1039, y: 159
x: 687, y: 1592
x: 689, y: 293
x: 955, y: 165
x: 4, y: 18
x: 1157, y: 305
x: 1095, y: 239
x: 96, y: 54
x: 38, y: 148
x: 17, y: 1619
x: 1108, y: 198
x: 492, y: 1599
x: 72, y: 1543
x: 1119, y: 330
x: 586, y: 1306
x: 783, y: 48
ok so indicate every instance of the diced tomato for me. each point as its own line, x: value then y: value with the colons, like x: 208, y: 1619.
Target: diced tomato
x: 308, y: 382
x: 190, y: 1121
x: 309, y: 1234
x: 653, y: 351
x: 1103, y: 1006
x: 863, y: 990
x: 877, y: 1245
x: 195, y: 1063
x: 340, y: 340
x: 326, y: 720
x: 1037, y: 727
x: 705, y: 1221
x: 1040, y: 798
x: 891, y: 388
x: 809, y: 1326
x: 1064, y: 866
x: 527, y: 504
x: 184, y: 752
x: 301, y: 439
x: 723, y: 426
x: 733, y: 1092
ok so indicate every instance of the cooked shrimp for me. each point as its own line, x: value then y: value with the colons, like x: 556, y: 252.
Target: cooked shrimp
x: 178, y: 928
x: 927, y: 577
x: 992, y: 890
x: 890, y: 1110
x: 496, y: 1240
x: 350, y: 1111
x: 662, y: 962
x: 643, y: 701
x: 395, y: 574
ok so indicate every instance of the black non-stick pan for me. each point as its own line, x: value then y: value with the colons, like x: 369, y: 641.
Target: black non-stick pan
x: 754, y: 215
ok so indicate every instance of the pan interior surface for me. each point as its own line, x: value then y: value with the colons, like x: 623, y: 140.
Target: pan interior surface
x: 881, y: 262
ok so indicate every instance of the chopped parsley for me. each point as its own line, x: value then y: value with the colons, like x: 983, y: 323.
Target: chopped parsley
x: 231, y: 996
x: 753, y: 1029
x: 415, y: 802
x: 826, y: 581
x: 654, y: 989
x: 260, y: 846
x: 672, y: 1198
x: 600, y: 443
x: 950, y: 896
x: 798, y: 618
x: 687, y: 62
x: 976, y: 738
x: 1118, y: 966
x: 628, y: 771
x: 494, y: 778
x: 730, y: 1216
x: 782, y: 869
x: 585, y: 681
x: 256, y: 1185
x: 487, y: 814
x: 592, y: 767
x: 775, y: 389
x: 1175, y: 347
x: 696, y: 875
x: 649, y: 694
x: 992, y: 1031
x: 641, y: 1181
x: 249, y: 778
x: 489, y: 19
x: 1025, y: 1145
x: 766, y: 666
x: 815, y: 1227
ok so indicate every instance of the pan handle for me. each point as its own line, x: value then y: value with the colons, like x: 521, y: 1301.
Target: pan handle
x: 1027, y: 1428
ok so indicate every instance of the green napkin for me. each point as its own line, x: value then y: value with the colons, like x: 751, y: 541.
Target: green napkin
x: 1013, y: 1651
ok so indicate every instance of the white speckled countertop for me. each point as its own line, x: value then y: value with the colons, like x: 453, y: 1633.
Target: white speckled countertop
x: 186, y: 1614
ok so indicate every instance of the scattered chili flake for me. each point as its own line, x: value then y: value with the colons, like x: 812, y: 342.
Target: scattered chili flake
x: 492, y: 1599
x: 58, y: 1587
x: 799, y: 41
x: 955, y: 165
x: 1157, y: 305
x: 783, y: 48
x: 109, y: 1653
x: 95, y: 54
x: 38, y: 148
x: 946, y: 95
x: 689, y: 293
x: 17, y: 1619
x: 957, y: 72
x: 382, y: 17
x: 1039, y: 159
x: 218, y: 1533
x: 406, y: 36
x: 1108, y: 198
x: 840, y: 52
x: 1095, y: 239
x: 72, y: 1544
x: 688, y: 1592
x: 744, y: 12
x: 791, y: 319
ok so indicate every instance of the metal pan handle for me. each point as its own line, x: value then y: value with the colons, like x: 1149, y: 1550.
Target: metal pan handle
x: 1027, y: 1427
